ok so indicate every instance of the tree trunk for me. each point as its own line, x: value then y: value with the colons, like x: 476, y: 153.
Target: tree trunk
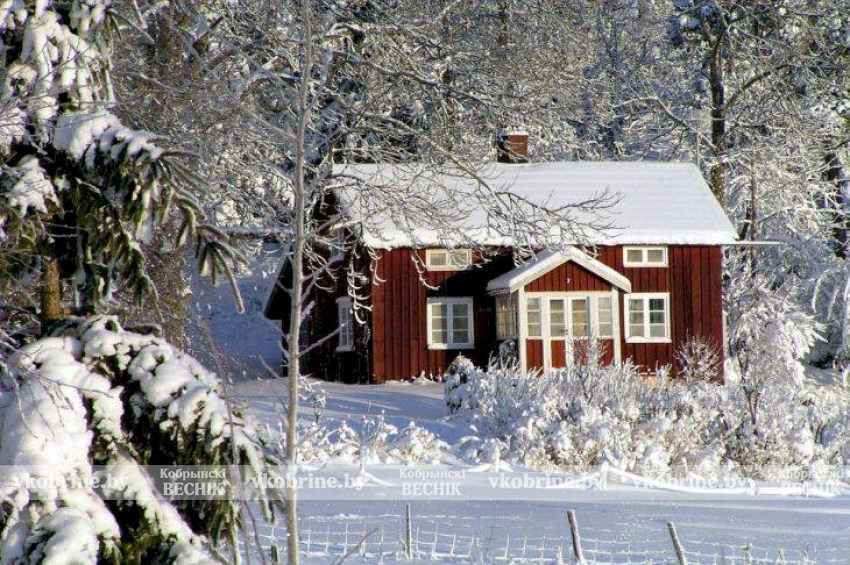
x: 838, y: 176
x: 718, y: 119
x: 296, y: 310
x: 51, y: 293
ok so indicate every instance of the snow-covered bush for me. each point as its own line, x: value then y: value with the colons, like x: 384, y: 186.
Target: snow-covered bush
x: 93, y: 394
x: 579, y: 417
x: 699, y: 360
x: 371, y: 440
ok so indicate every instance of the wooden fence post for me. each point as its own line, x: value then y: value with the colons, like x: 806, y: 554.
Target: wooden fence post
x: 408, y: 532
x: 677, y: 544
x: 577, y: 552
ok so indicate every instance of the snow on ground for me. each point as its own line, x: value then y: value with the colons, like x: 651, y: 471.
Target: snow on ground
x: 619, y: 522
x: 237, y: 345
x: 617, y: 517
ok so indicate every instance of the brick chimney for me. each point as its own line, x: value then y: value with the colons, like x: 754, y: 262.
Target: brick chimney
x: 512, y: 147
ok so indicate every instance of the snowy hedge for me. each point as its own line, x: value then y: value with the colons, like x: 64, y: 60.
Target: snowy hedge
x: 95, y: 394
x: 576, y: 418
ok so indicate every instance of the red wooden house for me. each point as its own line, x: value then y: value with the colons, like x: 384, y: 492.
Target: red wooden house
x: 641, y: 291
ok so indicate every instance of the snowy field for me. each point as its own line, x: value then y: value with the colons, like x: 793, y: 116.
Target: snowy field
x: 618, y: 521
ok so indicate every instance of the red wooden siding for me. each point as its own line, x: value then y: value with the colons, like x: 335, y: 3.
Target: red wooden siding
x: 394, y: 346
x: 567, y: 278
x: 696, y: 294
x: 399, y: 300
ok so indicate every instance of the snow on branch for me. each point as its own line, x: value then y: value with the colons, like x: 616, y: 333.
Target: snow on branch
x: 95, y: 394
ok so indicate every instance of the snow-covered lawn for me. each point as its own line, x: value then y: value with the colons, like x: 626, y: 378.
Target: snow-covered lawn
x: 619, y: 522
x: 615, y: 519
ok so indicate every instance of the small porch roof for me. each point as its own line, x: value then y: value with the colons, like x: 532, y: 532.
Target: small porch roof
x: 546, y: 261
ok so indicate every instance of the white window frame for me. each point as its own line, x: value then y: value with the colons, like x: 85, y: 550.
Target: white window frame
x: 644, y: 261
x: 345, y: 313
x: 595, y: 321
x: 430, y: 254
x: 590, y: 297
x: 508, y: 329
x: 449, y: 302
x: 645, y: 297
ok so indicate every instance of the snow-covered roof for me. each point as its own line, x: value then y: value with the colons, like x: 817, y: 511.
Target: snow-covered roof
x: 546, y: 261
x: 659, y: 203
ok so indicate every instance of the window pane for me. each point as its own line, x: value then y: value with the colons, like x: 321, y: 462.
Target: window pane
x: 437, y: 258
x: 656, y: 304
x: 636, y: 318
x: 635, y: 311
x: 346, y: 324
x: 634, y: 255
x: 655, y: 255
x: 604, y: 322
x: 504, y: 318
x: 439, y: 337
x: 656, y: 318
x: 533, y: 311
x: 460, y: 323
x: 460, y: 310
x: 557, y: 318
x: 656, y: 330
x: 439, y: 333
x: 579, y: 321
x: 460, y: 336
x: 459, y: 257
x: 439, y: 311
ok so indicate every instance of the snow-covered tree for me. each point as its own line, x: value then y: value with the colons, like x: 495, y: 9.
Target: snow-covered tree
x: 81, y: 413
x: 768, y: 79
x: 80, y: 191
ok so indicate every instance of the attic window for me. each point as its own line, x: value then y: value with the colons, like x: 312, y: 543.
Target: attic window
x: 644, y: 256
x: 448, y: 259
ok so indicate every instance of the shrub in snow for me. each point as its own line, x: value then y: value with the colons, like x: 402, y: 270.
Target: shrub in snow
x: 699, y: 360
x: 95, y: 394
x: 579, y: 417
x: 371, y: 440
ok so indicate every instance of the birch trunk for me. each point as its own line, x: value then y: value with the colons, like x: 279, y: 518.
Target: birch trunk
x: 299, y: 243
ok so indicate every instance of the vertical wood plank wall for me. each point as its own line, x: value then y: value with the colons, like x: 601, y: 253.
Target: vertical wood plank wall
x: 399, y: 337
x: 398, y: 333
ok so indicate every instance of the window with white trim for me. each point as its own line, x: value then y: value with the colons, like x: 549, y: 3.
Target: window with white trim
x: 644, y: 256
x: 505, y: 316
x: 450, y: 323
x: 448, y: 259
x: 346, y: 324
x: 533, y: 317
x: 579, y: 317
x: 604, y: 317
x: 648, y: 317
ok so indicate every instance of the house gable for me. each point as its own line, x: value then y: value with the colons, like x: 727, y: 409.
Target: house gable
x: 547, y: 261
